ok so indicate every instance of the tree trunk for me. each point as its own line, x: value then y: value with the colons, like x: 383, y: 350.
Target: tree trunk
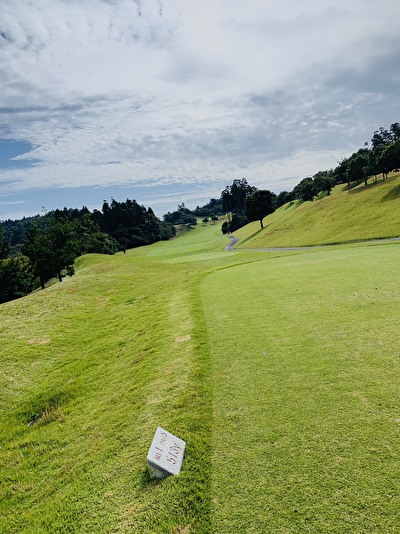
x: 261, y: 222
x: 59, y: 276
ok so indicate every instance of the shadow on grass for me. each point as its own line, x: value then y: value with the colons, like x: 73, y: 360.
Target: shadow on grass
x: 252, y: 235
x: 355, y: 187
x: 392, y: 194
x: 147, y: 482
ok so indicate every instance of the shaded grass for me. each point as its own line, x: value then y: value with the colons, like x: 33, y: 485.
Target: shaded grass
x: 306, y: 409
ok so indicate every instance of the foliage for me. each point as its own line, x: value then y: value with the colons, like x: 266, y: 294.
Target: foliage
x: 305, y: 190
x: 324, y: 182
x: 52, y: 249
x: 213, y: 207
x: 16, y: 278
x: 130, y: 224
x: 53, y: 241
x: 260, y: 204
x: 234, y: 197
x: 357, y: 163
x: 181, y: 217
x: 389, y: 159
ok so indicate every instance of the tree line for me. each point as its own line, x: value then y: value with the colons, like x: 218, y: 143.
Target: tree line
x: 245, y: 203
x: 37, y: 249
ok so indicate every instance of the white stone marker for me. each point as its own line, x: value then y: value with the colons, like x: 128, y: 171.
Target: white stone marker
x: 165, y: 454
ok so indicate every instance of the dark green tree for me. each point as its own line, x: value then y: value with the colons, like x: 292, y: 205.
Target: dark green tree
x: 389, y: 158
x: 357, y: 163
x: 323, y: 182
x: 52, y: 249
x: 305, y: 190
x: 16, y: 278
x: 234, y: 196
x: 260, y: 204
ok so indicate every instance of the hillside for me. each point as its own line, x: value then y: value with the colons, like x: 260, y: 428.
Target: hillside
x: 354, y: 214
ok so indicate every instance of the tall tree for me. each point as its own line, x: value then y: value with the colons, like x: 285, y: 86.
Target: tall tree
x: 305, y: 190
x: 357, y: 162
x: 260, y: 204
x: 389, y: 159
x: 52, y: 248
x: 234, y: 196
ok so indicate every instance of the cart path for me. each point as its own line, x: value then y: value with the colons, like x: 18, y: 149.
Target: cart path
x: 235, y: 241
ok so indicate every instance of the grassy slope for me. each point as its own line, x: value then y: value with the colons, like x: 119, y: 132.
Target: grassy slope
x: 357, y: 214
x: 105, y: 357
x: 277, y: 369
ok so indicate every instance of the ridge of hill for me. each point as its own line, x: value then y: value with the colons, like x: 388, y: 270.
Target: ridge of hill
x: 350, y: 214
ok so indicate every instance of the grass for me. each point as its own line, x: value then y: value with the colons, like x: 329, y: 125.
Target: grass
x: 347, y: 215
x: 90, y: 368
x: 280, y: 370
x: 305, y: 382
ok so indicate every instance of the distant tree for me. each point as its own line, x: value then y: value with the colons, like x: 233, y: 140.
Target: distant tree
x: 382, y: 137
x: 283, y: 197
x: 205, y: 221
x: 395, y: 131
x: 181, y: 217
x: 260, y: 204
x: 234, y: 196
x: 389, y: 158
x: 305, y: 190
x: 167, y: 231
x: 357, y: 163
x: 225, y: 227
x: 237, y: 222
x: 4, y: 245
x: 324, y: 181
x: 340, y: 172
x: 214, y: 218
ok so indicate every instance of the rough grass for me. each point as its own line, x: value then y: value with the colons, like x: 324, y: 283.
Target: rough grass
x: 90, y: 368
x: 360, y: 213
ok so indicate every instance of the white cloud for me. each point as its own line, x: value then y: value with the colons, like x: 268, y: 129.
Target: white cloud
x: 167, y: 92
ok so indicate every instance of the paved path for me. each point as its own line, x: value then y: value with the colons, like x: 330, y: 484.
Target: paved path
x: 235, y: 241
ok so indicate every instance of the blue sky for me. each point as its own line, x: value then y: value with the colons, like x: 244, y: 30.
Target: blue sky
x: 168, y: 101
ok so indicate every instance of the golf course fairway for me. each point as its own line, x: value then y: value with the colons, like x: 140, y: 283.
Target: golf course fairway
x: 280, y: 370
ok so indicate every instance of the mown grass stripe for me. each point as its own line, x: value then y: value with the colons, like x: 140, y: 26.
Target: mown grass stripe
x: 306, y: 376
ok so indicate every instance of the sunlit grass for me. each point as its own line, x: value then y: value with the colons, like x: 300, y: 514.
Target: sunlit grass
x: 347, y: 215
x: 90, y: 368
x: 279, y: 370
x: 306, y: 376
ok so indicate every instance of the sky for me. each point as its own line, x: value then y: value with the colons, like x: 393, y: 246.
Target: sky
x: 169, y: 101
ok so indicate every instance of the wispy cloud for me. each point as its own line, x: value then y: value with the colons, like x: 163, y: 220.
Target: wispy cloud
x: 167, y: 92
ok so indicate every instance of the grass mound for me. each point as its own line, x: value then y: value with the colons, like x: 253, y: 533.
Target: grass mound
x: 123, y: 353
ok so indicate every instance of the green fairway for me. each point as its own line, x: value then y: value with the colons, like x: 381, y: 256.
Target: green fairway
x: 306, y: 374
x: 280, y: 371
